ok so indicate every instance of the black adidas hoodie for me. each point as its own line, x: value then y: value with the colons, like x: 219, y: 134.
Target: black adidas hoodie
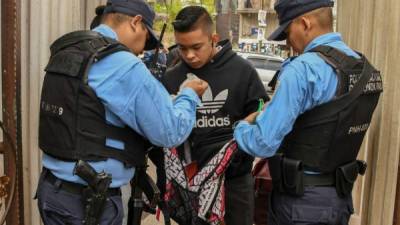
x: 233, y: 93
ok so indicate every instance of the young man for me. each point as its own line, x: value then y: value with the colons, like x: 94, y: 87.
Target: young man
x: 100, y: 104
x: 316, y: 120
x: 234, y: 90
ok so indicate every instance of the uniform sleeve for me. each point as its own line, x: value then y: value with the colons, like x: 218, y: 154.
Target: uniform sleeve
x: 142, y: 103
x: 263, y: 138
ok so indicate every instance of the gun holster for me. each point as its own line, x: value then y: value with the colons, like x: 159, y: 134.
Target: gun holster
x: 346, y: 175
x: 287, y: 175
x: 93, y: 210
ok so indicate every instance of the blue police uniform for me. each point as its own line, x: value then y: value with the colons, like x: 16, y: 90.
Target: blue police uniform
x: 133, y: 97
x: 309, y: 174
x: 304, y: 83
x: 316, y: 121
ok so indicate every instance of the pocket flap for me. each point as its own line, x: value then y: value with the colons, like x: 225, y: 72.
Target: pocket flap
x: 349, y: 171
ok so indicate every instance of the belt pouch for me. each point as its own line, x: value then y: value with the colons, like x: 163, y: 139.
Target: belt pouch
x: 293, y: 176
x: 275, y: 169
x: 346, y: 175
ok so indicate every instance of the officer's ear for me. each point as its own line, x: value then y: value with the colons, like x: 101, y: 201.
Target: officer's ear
x: 305, y: 21
x: 136, y: 21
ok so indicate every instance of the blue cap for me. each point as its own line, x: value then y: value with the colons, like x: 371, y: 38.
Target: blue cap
x: 288, y: 10
x: 134, y: 8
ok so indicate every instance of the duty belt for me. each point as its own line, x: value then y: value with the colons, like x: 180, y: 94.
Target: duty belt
x: 319, y: 179
x: 71, y: 187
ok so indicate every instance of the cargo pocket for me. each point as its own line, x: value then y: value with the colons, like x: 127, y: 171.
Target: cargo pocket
x: 312, y: 215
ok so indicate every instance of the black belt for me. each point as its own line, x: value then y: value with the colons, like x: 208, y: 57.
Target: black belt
x: 319, y: 179
x: 71, y: 187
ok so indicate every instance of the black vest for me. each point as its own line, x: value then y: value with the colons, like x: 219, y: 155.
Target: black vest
x: 330, y: 135
x: 72, y: 118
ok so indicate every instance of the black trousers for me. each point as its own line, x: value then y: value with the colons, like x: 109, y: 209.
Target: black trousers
x: 318, y: 206
x: 239, y: 200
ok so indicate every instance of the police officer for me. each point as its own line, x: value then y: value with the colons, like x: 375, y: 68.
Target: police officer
x: 315, y: 123
x: 100, y: 104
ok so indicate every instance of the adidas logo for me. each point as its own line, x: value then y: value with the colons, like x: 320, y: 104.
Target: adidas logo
x: 212, y: 105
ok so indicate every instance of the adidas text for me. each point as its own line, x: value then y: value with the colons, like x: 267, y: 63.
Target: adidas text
x: 205, y: 121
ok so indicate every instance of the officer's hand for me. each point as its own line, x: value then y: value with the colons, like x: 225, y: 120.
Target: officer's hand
x: 252, y: 117
x: 198, y: 85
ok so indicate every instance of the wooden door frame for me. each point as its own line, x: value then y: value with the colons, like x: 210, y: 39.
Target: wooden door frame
x: 11, y: 96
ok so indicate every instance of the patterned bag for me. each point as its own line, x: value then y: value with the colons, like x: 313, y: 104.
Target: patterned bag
x: 197, y: 198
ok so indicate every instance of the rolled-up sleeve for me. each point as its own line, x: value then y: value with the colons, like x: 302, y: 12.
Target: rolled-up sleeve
x: 141, y: 102
x: 263, y: 138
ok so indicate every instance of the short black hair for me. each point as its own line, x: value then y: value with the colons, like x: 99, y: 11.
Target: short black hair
x: 191, y: 18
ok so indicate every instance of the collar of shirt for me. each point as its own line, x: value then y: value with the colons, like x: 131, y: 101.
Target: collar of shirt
x: 323, y: 40
x: 106, y: 31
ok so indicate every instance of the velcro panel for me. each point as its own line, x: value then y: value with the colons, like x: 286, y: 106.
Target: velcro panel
x: 67, y: 63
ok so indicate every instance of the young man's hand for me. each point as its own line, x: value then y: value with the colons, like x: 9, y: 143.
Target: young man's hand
x: 251, y: 117
x: 198, y: 85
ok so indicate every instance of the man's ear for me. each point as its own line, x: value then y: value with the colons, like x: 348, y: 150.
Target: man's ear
x: 306, y: 22
x: 136, y: 21
x: 215, y: 38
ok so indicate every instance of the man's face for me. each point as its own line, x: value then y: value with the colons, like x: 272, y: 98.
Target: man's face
x: 136, y: 35
x: 195, y: 47
x: 142, y: 35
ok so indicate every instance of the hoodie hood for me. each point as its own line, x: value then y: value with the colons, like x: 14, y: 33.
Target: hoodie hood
x: 223, y: 55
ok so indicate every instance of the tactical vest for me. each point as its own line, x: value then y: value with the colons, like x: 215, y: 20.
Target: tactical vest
x: 72, y: 118
x: 330, y: 135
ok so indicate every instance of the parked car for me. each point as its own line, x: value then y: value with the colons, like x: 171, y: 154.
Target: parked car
x: 265, y: 65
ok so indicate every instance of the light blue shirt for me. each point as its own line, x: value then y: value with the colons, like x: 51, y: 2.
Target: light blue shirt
x: 133, y: 97
x: 304, y: 82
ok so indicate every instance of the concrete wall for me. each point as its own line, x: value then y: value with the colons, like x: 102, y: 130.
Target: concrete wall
x: 42, y: 22
x: 373, y: 28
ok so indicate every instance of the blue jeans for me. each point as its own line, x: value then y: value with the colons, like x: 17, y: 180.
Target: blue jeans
x: 318, y: 206
x: 58, y: 207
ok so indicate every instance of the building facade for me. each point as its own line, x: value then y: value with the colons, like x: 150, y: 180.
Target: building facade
x: 257, y: 20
